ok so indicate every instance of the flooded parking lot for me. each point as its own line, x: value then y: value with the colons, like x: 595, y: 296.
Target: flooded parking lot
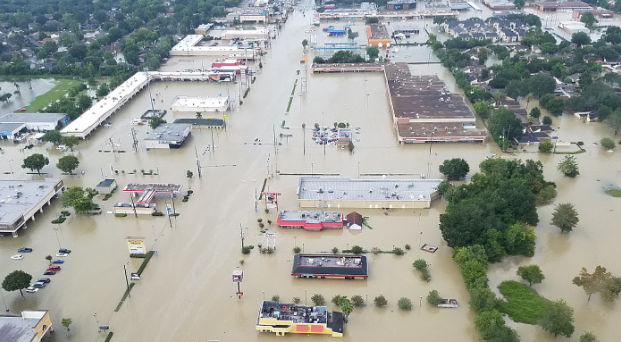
x: 186, y: 292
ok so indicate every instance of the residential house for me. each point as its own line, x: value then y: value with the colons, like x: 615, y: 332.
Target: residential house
x: 508, y: 36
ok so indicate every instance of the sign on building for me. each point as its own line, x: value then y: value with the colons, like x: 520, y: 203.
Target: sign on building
x: 136, y: 245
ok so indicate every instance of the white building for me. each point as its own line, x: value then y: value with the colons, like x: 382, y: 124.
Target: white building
x: 200, y: 104
x: 36, y: 121
x: 168, y: 135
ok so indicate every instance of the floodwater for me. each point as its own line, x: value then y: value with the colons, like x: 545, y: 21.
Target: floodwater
x: 186, y: 292
x: 39, y: 86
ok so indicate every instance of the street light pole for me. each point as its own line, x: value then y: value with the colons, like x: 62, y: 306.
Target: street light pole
x: 4, y: 301
x: 57, y: 239
x: 149, y: 86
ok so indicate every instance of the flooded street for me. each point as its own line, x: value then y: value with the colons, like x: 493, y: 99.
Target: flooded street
x: 186, y: 292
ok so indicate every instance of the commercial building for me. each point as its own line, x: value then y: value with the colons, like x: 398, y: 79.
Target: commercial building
x: 203, y: 29
x: 146, y: 192
x: 425, y: 111
x: 406, y: 29
x: 36, y: 121
x: 106, y: 186
x: 11, y: 130
x: 571, y: 27
x: 131, y: 209
x: 280, y: 318
x: 203, y: 123
x: 396, y: 5
x: 551, y: 6
x: 257, y: 33
x: 330, y: 266
x: 189, y: 46
x: 337, y: 192
x: 30, y: 326
x: 499, y: 4
x: 310, y: 220
x: 168, y: 135
x: 21, y: 199
x: 196, y: 104
x: 378, y: 35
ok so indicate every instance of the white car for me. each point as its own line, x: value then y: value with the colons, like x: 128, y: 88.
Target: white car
x: 17, y: 257
x: 32, y: 289
x: 62, y: 148
x: 61, y: 254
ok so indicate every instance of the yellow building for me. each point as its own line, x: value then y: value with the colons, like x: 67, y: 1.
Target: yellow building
x: 31, y: 326
x: 279, y: 318
x: 378, y: 35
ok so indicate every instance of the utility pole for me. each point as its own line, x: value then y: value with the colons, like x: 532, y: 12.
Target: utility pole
x: 198, y: 163
x: 126, y: 280
x: 131, y: 197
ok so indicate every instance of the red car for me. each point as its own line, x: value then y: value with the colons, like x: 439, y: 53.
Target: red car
x: 53, y: 268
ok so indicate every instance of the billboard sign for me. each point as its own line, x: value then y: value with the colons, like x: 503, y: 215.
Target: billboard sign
x: 136, y: 245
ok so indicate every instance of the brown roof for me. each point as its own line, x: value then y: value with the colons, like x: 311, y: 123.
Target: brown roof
x: 378, y: 31
x: 434, y: 131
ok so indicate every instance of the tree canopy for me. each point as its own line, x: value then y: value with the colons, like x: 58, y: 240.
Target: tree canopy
x: 455, y: 169
x: 600, y: 281
x: 35, y: 162
x: 568, y: 167
x: 16, y: 280
x: 558, y: 319
x: 78, y: 199
x: 531, y: 274
x: 565, y: 217
x: 68, y: 163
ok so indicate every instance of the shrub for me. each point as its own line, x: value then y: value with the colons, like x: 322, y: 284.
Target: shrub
x: 356, y: 249
x: 137, y: 256
x: 261, y: 225
x: 335, y: 299
x: 109, y: 337
x: 269, y: 222
x: 242, y: 262
x: 267, y: 211
x: 259, y: 220
x: 420, y: 264
x: 335, y: 250
x: 145, y: 262
x: 296, y: 300
x: 245, y: 250
x: 120, y: 215
x: 65, y: 213
x: 408, y: 247
x: 157, y: 213
x: 297, y: 249
x: 425, y: 275
x: 318, y: 300
x: 375, y: 250
x: 608, y: 143
x: 398, y: 251
x: 380, y: 301
x: 580, y: 143
x: 275, y: 298
x: 404, y: 304
x: 546, y: 146
x: 547, y: 120
x: 357, y: 301
x: 434, y: 298
x: 59, y: 220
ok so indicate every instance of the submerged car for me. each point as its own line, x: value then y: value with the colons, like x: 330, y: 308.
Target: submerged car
x: 24, y: 250
x: 64, y: 250
x: 43, y: 280
x: 39, y: 284
x: 58, y: 262
x: 49, y: 272
x: 17, y: 257
x: 61, y: 254
x: 53, y: 268
x: 32, y: 289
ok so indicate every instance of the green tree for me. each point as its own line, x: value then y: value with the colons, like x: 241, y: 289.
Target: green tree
x: 614, y: 120
x: 504, y: 126
x: 546, y: 195
x: 84, y: 102
x: 433, y: 298
x: 358, y: 301
x: 78, y: 198
x: 103, y: 90
x: 372, y: 52
x: 520, y: 239
x: 304, y: 43
x: 380, y: 301
x: 70, y: 141
x: 318, y: 300
x: 558, y: 319
x: 66, y: 322
x: 546, y: 146
x: 68, y: 163
x: 589, y: 20
x: 49, y: 259
x: 580, y: 38
x: 52, y: 136
x: 607, y: 143
x: 531, y: 274
x: 482, y: 299
x: 36, y: 162
x: 568, y: 167
x: 405, y: 304
x: 535, y: 113
x: 549, y: 48
x: 565, y: 217
x: 346, y: 306
x: 455, y: 169
x: 588, y: 337
x: 156, y: 121
x: 547, y: 120
x: 483, y: 109
x: 16, y: 280
x: 351, y: 35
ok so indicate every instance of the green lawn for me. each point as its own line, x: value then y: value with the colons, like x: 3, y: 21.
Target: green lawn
x: 614, y: 192
x: 60, y: 89
x: 522, y: 304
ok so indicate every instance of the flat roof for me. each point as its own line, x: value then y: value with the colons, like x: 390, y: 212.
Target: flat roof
x: 311, y: 216
x: 11, y: 127
x: 345, y: 189
x: 32, y: 117
x: 378, y: 31
x: 330, y: 264
x: 199, y: 102
x: 20, y: 328
x: 106, y: 183
x: 434, y: 131
x: 169, y: 131
x: 293, y: 312
x: 188, y: 41
x: 157, y: 187
x: 202, y: 122
x: 18, y: 197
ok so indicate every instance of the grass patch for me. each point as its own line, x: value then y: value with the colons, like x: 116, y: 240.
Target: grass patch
x: 614, y: 192
x: 523, y: 304
x: 109, y: 337
x: 61, y: 89
x: 118, y: 307
x: 289, y: 105
x: 120, y: 215
x: 262, y: 189
x: 366, y: 224
x: 145, y: 262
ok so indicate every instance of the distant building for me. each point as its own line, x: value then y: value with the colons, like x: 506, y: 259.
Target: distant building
x: 354, y: 220
x: 337, y: 192
x: 396, y: 5
x: 281, y: 319
x: 36, y: 121
x: 550, y: 6
x: 310, y: 220
x: 22, y: 199
x: 203, y: 123
x: 404, y: 28
x: 194, y: 104
x: 203, y: 29
x: 106, y: 186
x: 257, y: 33
x: 330, y: 266
x: 378, y: 35
x: 344, y: 137
x: 30, y: 326
x: 168, y: 135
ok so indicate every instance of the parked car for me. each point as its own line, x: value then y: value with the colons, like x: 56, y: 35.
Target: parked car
x: 17, y: 257
x: 58, y: 262
x: 43, y: 280
x: 64, y: 250
x: 61, y: 254
x: 24, y: 250
x: 49, y: 272
x: 53, y: 268
x: 39, y: 284
x: 32, y: 289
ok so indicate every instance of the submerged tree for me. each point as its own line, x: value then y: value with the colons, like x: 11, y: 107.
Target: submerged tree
x: 599, y: 281
x: 569, y: 167
x: 558, y: 319
x: 565, y: 217
x: 531, y: 273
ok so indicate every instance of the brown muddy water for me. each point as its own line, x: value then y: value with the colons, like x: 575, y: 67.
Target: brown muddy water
x: 186, y: 292
x: 39, y: 86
